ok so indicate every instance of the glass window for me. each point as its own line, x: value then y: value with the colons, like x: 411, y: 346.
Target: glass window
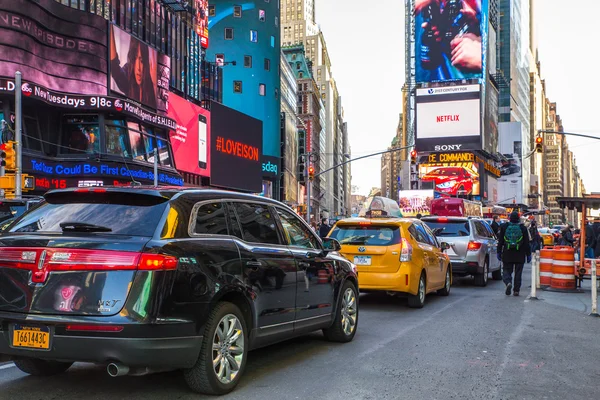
x: 257, y: 223
x: 272, y: 41
x: 262, y: 89
x: 117, y: 142
x: 228, y: 33
x: 237, y: 11
x: 262, y: 15
x: 449, y: 228
x: 422, y: 235
x: 136, y: 140
x: 480, y: 229
x: 164, y: 149
x: 211, y: 219
x: 211, y: 11
x: 296, y: 233
x: 267, y: 64
x: 248, y: 61
x: 237, y: 86
x: 80, y: 134
x: 32, y: 134
x: 253, y: 36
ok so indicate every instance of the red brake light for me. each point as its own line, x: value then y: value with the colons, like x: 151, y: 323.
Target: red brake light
x: 473, y: 246
x: 153, y: 262
x: 442, y: 219
x: 90, y: 190
x: 94, y: 328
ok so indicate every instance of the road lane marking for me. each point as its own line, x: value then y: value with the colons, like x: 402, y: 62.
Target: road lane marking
x: 404, y: 331
x: 7, y: 366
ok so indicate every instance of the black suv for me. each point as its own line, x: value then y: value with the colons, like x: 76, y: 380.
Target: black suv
x: 146, y: 280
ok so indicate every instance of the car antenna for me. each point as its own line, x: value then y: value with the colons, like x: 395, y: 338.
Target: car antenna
x: 133, y: 181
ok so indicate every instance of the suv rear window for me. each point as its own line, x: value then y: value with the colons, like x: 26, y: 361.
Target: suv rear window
x: 366, y: 235
x: 449, y: 228
x: 122, y: 213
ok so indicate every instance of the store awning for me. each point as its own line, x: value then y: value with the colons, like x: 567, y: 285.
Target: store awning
x: 576, y: 203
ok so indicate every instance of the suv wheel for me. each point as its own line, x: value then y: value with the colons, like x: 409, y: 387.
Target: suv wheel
x: 418, y: 300
x: 346, y: 320
x: 36, y: 367
x: 223, y: 353
x: 482, y: 279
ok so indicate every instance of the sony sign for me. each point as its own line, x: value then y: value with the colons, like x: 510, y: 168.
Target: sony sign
x: 448, y: 118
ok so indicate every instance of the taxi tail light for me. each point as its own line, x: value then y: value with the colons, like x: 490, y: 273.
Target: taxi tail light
x: 406, y: 252
x: 473, y: 246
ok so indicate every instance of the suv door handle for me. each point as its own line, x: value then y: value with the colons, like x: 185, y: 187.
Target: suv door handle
x: 303, y: 264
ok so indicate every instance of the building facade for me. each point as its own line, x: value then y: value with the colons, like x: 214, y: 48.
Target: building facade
x: 245, y: 39
x: 289, y: 133
x: 88, y: 119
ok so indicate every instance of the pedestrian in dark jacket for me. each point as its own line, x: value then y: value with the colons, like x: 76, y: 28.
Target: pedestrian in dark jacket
x: 596, y: 227
x: 590, y: 241
x: 567, y: 236
x: 324, y: 228
x: 514, y: 249
x: 495, y: 225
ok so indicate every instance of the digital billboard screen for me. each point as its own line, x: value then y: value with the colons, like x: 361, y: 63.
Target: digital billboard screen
x: 137, y: 71
x: 57, y: 47
x: 202, y: 21
x: 191, y: 139
x: 236, y: 149
x: 452, y: 179
x: 448, y: 118
x: 414, y: 202
x: 450, y: 39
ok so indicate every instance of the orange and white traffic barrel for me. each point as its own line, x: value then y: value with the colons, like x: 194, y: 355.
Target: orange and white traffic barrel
x: 546, y: 262
x: 563, y: 269
x: 322, y: 276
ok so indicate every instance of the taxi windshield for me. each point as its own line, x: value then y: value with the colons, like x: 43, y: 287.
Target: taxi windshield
x: 372, y: 235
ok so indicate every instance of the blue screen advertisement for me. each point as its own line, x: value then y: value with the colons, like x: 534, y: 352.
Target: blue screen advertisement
x: 450, y: 39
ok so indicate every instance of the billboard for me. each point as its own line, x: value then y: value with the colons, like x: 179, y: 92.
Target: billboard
x: 236, y: 149
x: 510, y: 183
x: 452, y: 179
x: 450, y: 39
x: 137, y: 71
x: 54, y: 46
x: 202, y: 21
x: 448, y: 118
x: 413, y: 202
x: 191, y: 139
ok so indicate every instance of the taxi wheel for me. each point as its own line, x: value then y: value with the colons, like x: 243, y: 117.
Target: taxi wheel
x: 445, y: 291
x: 418, y: 300
x: 37, y: 367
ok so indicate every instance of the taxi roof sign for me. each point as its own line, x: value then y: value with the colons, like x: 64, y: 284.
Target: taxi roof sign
x: 380, y: 207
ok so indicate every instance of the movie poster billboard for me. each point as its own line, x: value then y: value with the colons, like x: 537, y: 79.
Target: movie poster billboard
x: 450, y: 39
x: 57, y: 47
x: 202, y: 22
x: 138, y: 71
x: 452, y: 179
x: 414, y: 202
x: 510, y: 183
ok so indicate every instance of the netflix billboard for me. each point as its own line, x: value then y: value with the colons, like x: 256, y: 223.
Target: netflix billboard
x: 448, y: 118
x: 55, y: 46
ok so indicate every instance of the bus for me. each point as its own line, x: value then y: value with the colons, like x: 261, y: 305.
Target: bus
x: 454, y: 207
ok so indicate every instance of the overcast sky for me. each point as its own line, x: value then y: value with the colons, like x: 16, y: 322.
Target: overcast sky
x: 367, y: 54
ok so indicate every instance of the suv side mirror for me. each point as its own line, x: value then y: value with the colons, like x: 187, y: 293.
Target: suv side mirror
x: 330, y: 245
x: 444, y: 246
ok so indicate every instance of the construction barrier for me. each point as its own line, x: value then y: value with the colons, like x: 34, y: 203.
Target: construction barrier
x: 546, y: 260
x: 323, y: 277
x: 586, y: 270
x: 563, y: 269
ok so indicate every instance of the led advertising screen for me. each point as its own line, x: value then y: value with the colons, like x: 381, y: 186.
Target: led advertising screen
x: 450, y: 39
x: 54, y: 46
x: 190, y: 140
x: 510, y: 183
x: 448, y: 118
x: 414, y: 202
x: 202, y: 21
x: 452, y: 179
x: 137, y: 71
x: 236, y: 149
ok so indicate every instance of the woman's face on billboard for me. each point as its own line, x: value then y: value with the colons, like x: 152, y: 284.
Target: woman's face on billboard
x: 139, y: 67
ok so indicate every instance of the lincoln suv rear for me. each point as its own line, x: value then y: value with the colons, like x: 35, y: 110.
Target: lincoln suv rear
x: 144, y: 280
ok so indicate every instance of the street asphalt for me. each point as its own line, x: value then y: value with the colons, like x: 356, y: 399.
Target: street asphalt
x: 477, y: 343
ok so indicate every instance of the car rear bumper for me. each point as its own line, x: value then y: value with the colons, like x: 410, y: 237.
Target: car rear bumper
x: 103, y: 348
x: 399, y: 281
x: 466, y: 268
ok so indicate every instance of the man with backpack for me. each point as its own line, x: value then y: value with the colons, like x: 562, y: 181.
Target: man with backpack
x: 514, y: 249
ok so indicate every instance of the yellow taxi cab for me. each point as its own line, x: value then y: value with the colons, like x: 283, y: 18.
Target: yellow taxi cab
x: 547, y: 236
x: 393, y: 254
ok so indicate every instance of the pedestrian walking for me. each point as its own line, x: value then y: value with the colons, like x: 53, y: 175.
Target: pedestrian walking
x: 536, y: 238
x: 495, y: 225
x: 324, y: 228
x: 567, y: 236
x: 514, y: 249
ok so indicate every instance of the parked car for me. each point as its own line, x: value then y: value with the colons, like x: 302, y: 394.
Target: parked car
x: 394, y: 255
x: 472, y: 246
x: 145, y: 280
x: 451, y: 180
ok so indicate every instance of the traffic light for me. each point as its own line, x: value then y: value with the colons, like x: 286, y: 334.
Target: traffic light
x: 301, y: 172
x: 311, y: 172
x: 539, y: 144
x: 413, y: 157
x: 7, y: 155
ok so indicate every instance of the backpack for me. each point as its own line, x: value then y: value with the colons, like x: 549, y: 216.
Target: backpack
x: 513, y: 236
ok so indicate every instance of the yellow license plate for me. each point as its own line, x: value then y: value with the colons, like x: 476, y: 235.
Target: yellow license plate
x: 33, y: 337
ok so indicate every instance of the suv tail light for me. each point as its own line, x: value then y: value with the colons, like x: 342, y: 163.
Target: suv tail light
x: 406, y: 252
x: 473, y: 246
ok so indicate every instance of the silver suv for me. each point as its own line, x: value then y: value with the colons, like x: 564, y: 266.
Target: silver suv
x: 473, y: 246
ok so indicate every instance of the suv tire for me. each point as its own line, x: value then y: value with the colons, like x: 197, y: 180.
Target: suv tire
x: 37, y: 367
x: 481, y: 280
x: 346, y: 319
x: 203, y: 377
